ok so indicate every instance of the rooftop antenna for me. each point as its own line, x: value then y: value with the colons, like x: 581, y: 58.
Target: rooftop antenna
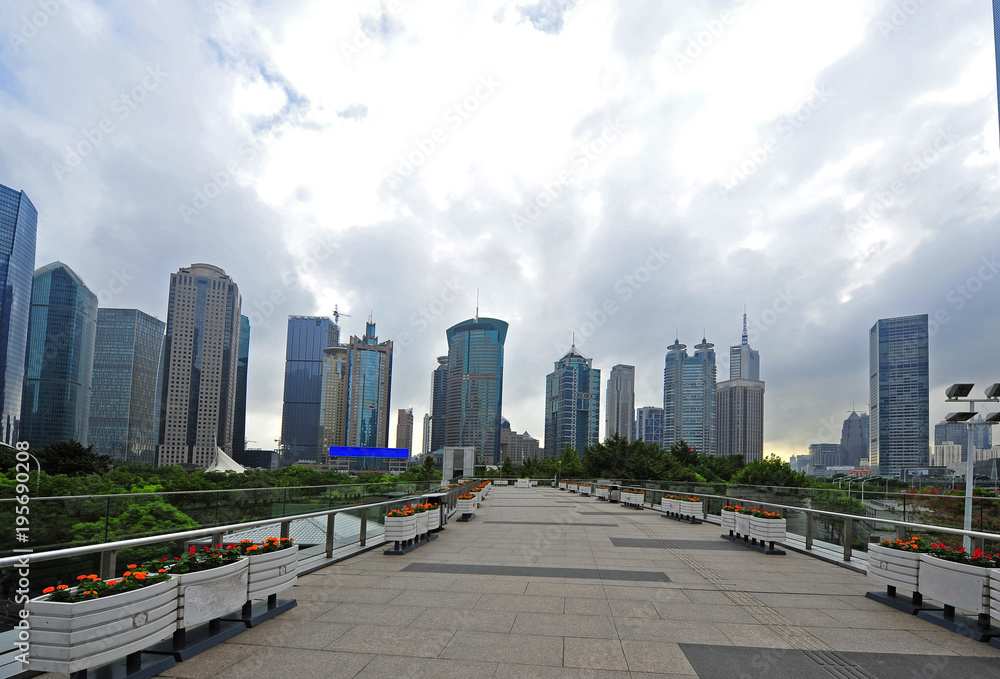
x: 574, y: 340
x: 477, y: 305
x: 744, y: 325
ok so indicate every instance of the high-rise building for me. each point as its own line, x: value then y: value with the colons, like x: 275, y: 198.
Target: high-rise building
x: 18, y: 224
x: 620, y: 411
x: 439, y: 406
x: 404, y: 429
x: 240, y: 418
x: 898, y: 394
x: 739, y: 404
x: 201, y: 352
x: 369, y: 384
x: 648, y: 426
x: 124, y: 418
x: 854, y: 439
x: 945, y: 454
x: 825, y: 455
x: 475, y: 386
x: 572, y: 404
x: 517, y: 447
x: 689, y: 385
x: 61, y: 332
x: 959, y: 433
x: 308, y: 337
x: 333, y: 402
x: 426, y: 443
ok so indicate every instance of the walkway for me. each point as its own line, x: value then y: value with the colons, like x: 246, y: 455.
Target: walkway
x: 544, y: 583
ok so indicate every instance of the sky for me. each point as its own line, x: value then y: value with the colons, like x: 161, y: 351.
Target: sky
x: 621, y: 173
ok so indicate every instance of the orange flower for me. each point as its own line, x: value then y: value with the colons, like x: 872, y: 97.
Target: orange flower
x: 162, y: 570
x: 63, y: 587
x: 126, y: 574
x: 81, y: 577
x: 112, y: 583
x: 48, y: 590
x: 132, y: 565
x: 140, y: 576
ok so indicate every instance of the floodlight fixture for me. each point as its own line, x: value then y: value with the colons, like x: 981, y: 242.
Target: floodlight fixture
x: 959, y: 417
x: 993, y: 391
x: 993, y: 418
x: 960, y: 390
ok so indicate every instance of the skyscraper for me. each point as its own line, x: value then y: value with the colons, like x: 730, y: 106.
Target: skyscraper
x: 333, y: 402
x: 854, y: 439
x: 426, y: 444
x: 475, y: 386
x: 689, y: 396
x: 740, y: 404
x: 439, y: 405
x: 307, y: 338
x: 201, y: 353
x: 572, y: 404
x: 958, y: 433
x: 404, y: 429
x: 898, y: 393
x: 825, y: 455
x: 123, y: 414
x: 648, y: 426
x: 240, y: 418
x: 18, y: 224
x: 60, y: 362
x: 620, y: 411
x: 369, y: 384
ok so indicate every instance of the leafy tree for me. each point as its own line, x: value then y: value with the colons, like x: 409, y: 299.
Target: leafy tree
x: 507, y: 468
x: 771, y: 471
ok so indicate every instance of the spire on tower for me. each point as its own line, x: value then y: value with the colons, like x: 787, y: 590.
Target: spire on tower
x: 744, y: 325
x: 477, y: 305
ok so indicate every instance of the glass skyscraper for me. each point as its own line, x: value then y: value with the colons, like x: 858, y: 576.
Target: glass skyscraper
x: 123, y: 417
x: 620, y: 411
x: 572, y: 404
x: 648, y: 425
x: 475, y: 386
x: 739, y: 404
x: 240, y: 417
x: 439, y: 405
x: 62, y: 329
x: 369, y: 389
x: 18, y: 225
x: 308, y: 337
x: 958, y: 433
x: 689, y: 384
x: 898, y: 393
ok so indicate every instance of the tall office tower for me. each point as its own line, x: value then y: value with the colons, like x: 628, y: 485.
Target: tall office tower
x: 689, y: 397
x: 898, y: 393
x: 333, y: 402
x: 18, y: 224
x: 426, y: 443
x: 60, y: 364
x: 369, y: 383
x: 475, y: 386
x: 744, y: 362
x: 517, y: 447
x: 240, y: 418
x: 439, y: 406
x: 621, y: 402
x: 307, y: 337
x: 572, y: 404
x: 854, y: 439
x: 124, y: 419
x: 648, y: 426
x: 959, y: 432
x: 404, y: 429
x: 825, y: 455
x: 201, y: 353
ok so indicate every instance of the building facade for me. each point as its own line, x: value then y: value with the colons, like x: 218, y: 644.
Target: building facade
x: 739, y: 411
x: 439, y: 406
x: 404, y: 429
x: 333, y: 402
x: 474, y: 392
x: 648, y: 426
x: 572, y: 404
x: 961, y: 432
x: 200, y: 357
x: 308, y: 337
x: 946, y: 454
x: 689, y: 385
x: 242, y: 363
x: 744, y: 362
x: 124, y: 413
x: 62, y: 329
x: 825, y: 455
x: 517, y: 447
x: 898, y: 394
x: 620, y: 409
x: 369, y: 384
x: 18, y: 227
x: 854, y: 439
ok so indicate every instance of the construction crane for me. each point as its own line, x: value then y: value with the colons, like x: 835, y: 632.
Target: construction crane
x: 337, y: 315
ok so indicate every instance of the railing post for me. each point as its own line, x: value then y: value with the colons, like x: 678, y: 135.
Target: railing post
x: 978, y: 543
x: 330, y: 519
x: 364, y: 526
x: 901, y: 533
x: 108, y: 564
x: 848, y: 538
x: 810, y: 528
x: 216, y: 539
x: 285, y: 528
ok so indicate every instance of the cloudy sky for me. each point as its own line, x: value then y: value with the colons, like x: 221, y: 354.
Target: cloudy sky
x: 630, y: 172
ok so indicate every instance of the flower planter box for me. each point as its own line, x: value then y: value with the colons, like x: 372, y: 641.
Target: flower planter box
x: 742, y: 524
x: 584, y: 489
x: 206, y: 595
x: 434, y: 518
x: 668, y: 506
x: 562, y: 485
x: 955, y: 584
x: 422, y: 523
x: 728, y: 520
x: 767, y: 530
x: 894, y: 567
x: 693, y: 509
x: 403, y: 528
x: 601, y: 493
x: 272, y: 572
x: 70, y: 637
x: 572, y: 487
x: 633, y: 499
x: 995, y: 593
x: 466, y: 506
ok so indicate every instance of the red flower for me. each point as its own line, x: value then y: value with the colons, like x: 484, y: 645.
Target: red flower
x: 48, y: 590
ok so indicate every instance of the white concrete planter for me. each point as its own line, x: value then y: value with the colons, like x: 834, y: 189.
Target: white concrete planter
x: 272, y: 572
x: 584, y: 489
x: 630, y: 498
x: 522, y: 483
x: 206, y: 595
x: 466, y: 506
x: 955, y: 584
x: 690, y: 508
x: 767, y: 530
x: 69, y: 637
x: 742, y: 524
x: 668, y: 506
x: 728, y: 520
x: 434, y: 518
x: 894, y: 567
x: 995, y: 593
x: 562, y: 485
x: 572, y: 487
x: 601, y: 492
x: 402, y: 528
x: 422, y: 522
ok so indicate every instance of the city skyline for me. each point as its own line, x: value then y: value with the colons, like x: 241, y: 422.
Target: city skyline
x: 585, y: 168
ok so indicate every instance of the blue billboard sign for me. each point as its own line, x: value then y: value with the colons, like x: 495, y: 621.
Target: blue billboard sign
x: 353, y: 451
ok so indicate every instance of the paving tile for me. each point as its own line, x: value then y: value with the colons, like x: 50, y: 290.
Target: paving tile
x: 292, y: 634
x: 656, y: 657
x: 522, y: 602
x: 562, y: 625
x: 505, y: 648
x: 425, y: 668
x: 599, y: 654
x: 360, y: 614
x: 414, y: 641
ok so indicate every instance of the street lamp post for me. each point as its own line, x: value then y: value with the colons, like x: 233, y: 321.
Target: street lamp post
x: 863, y: 482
